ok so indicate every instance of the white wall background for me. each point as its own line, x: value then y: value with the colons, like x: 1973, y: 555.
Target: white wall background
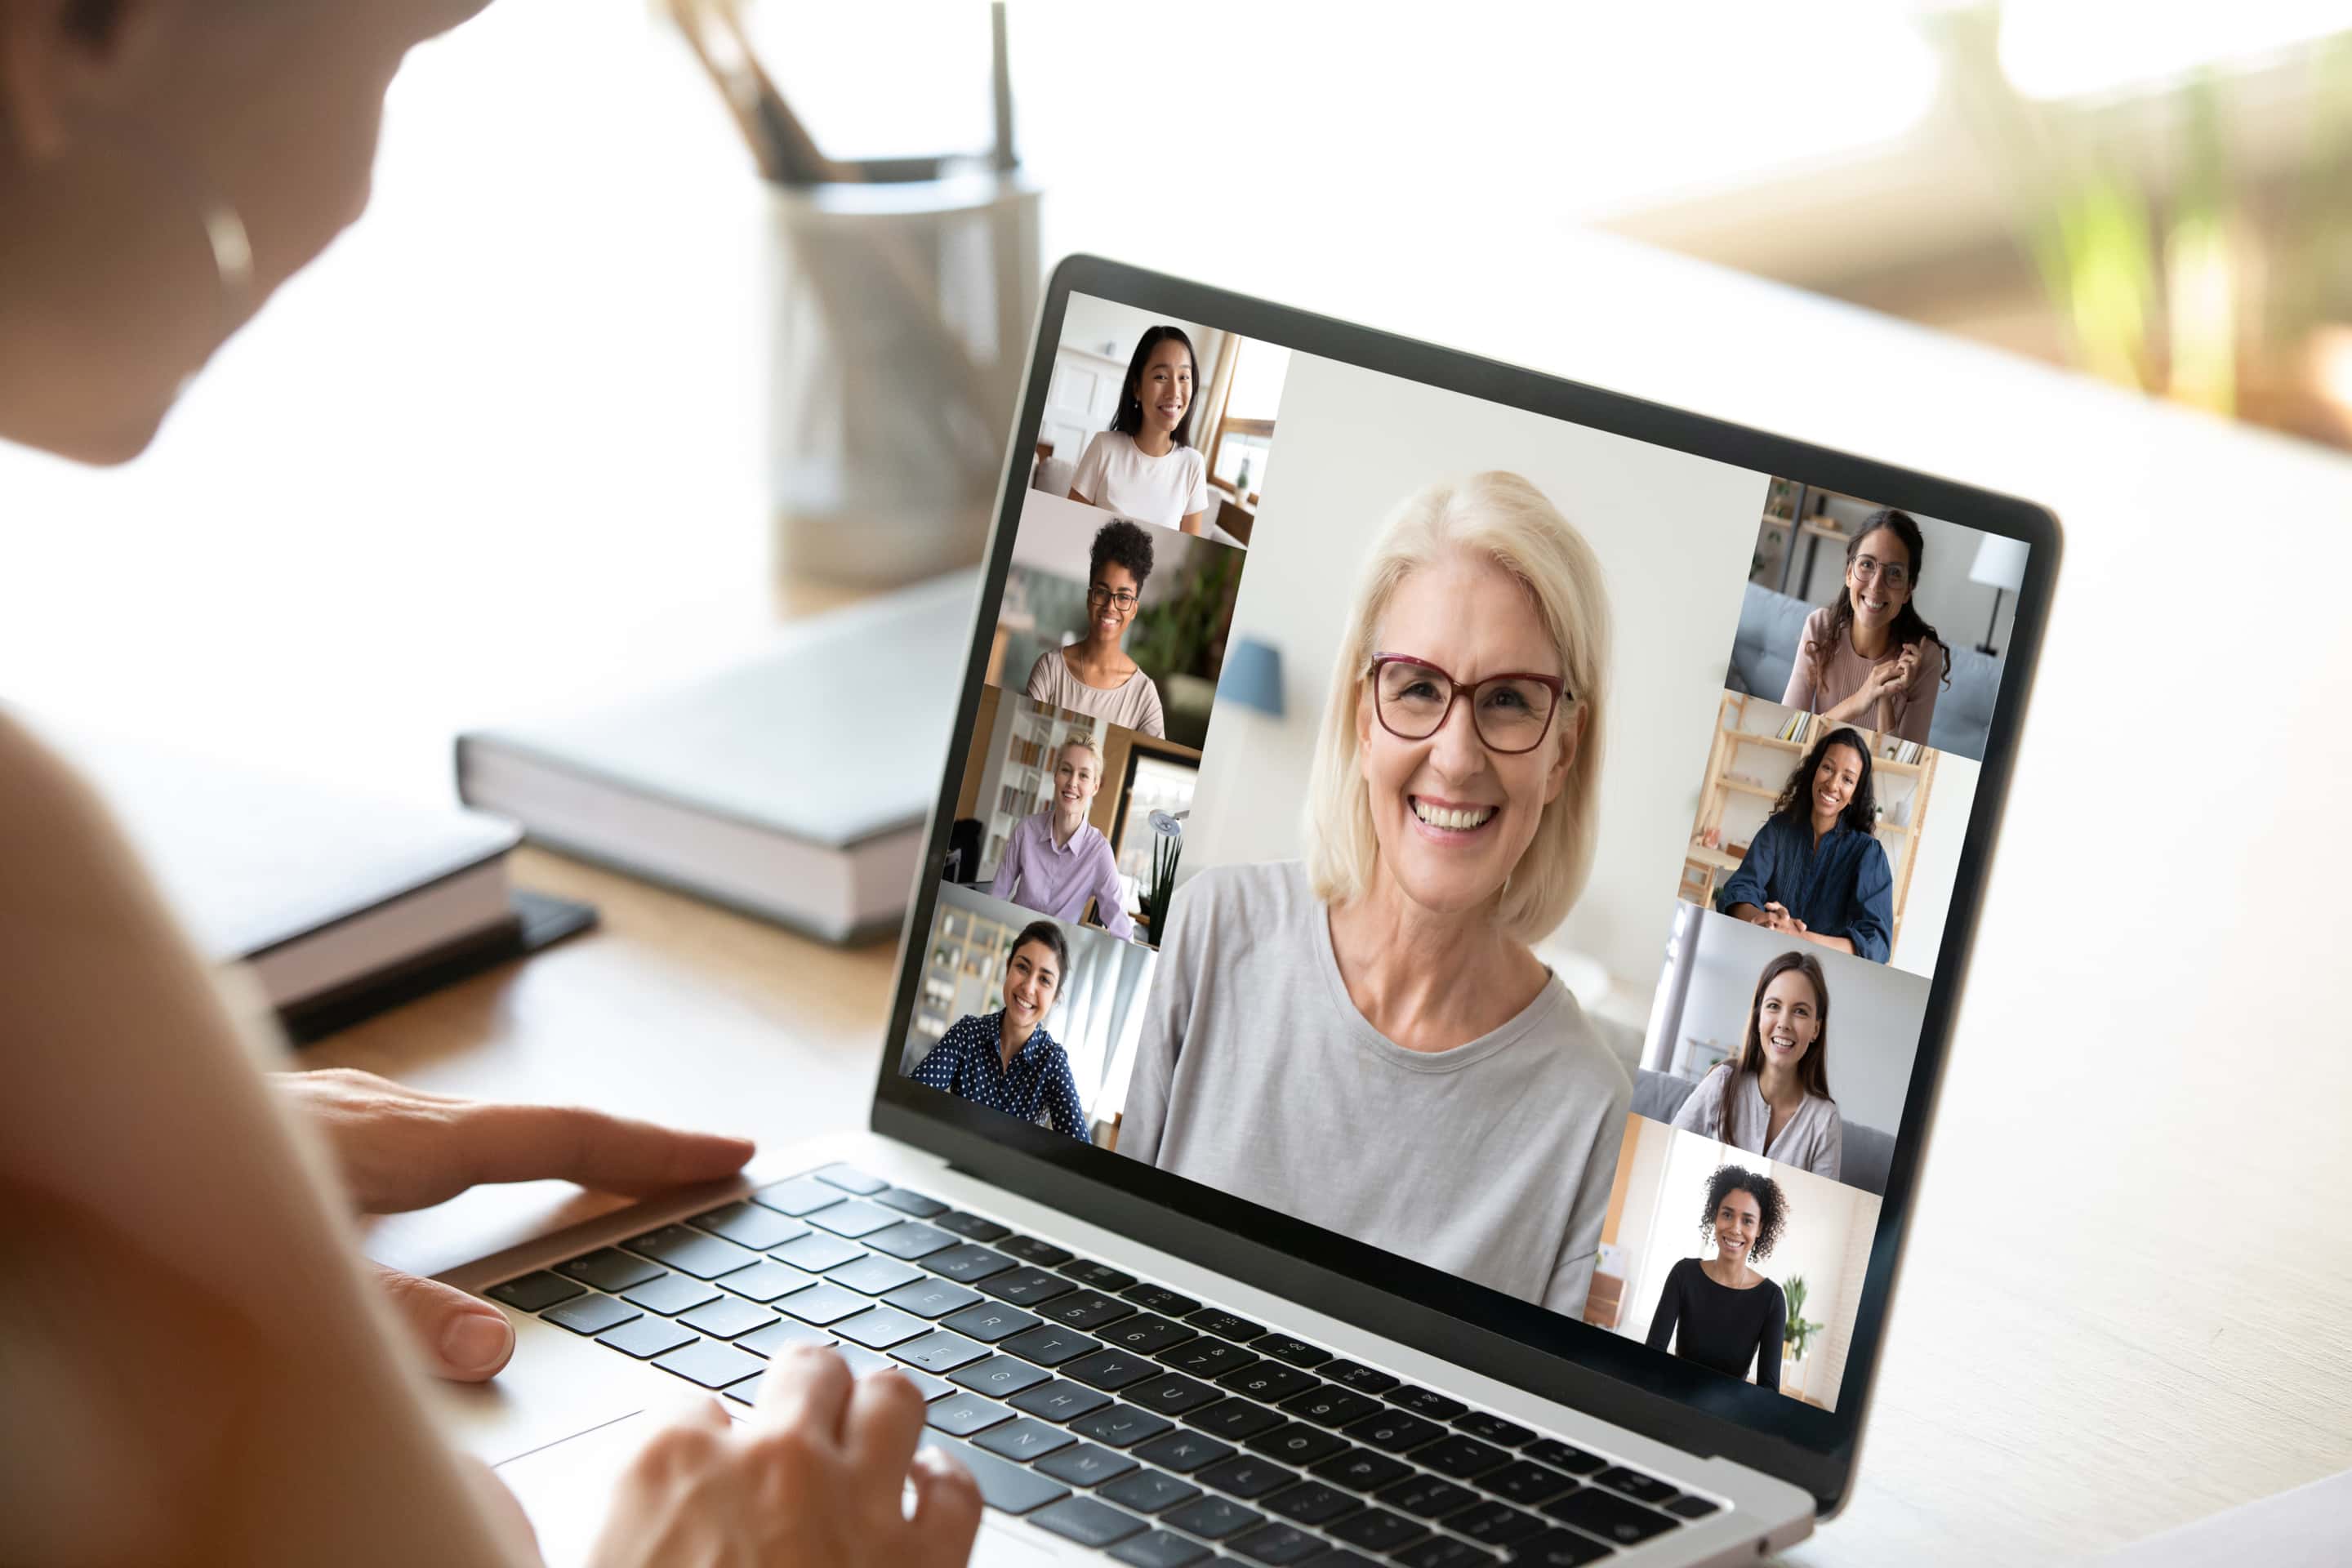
x: 1874, y: 1015
x: 1673, y: 534
x: 1058, y: 535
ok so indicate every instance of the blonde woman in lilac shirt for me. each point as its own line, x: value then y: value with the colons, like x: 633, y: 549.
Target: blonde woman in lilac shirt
x: 1056, y: 860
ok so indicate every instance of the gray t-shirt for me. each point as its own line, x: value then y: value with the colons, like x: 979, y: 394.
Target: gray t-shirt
x: 1814, y: 1140
x: 1257, y: 1076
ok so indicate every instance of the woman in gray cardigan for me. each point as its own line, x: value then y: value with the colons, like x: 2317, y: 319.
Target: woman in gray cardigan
x: 1773, y: 1098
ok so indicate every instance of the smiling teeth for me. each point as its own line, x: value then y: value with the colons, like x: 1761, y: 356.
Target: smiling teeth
x: 1439, y: 816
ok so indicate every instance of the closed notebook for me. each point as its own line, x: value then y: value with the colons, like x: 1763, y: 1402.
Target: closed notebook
x: 793, y: 783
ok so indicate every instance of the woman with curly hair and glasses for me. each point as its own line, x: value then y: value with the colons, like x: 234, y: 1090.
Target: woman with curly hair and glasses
x: 1815, y: 870
x: 1718, y: 1312
x: 1094, y: 674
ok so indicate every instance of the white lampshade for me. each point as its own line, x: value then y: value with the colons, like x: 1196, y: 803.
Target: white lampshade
x: 2001, y: 564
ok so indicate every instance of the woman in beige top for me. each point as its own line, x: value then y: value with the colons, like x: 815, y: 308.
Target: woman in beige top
x: 1094, y: 674
x: 1869, y: 659
x: 196, y: 1364
x: 1773, y: 1098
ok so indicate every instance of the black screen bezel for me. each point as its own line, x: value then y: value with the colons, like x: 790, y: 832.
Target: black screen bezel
x: 1573, y: 1364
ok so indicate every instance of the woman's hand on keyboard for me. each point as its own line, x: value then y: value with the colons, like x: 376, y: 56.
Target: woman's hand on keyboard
x: 399, y: 1148
x: 816, y: 1478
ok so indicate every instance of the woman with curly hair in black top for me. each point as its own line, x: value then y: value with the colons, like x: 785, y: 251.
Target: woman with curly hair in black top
x: 1718, y: 1312
x: 1094, y: 674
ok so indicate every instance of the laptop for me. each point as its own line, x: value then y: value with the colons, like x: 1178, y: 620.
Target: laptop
x: 1191, y: 1260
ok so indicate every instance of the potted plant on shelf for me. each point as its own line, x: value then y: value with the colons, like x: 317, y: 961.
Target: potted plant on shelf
x: 1170, y: 843
x: 1798, y: 1334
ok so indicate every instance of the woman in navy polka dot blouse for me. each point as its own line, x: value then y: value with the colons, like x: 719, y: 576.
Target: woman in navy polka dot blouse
x: 1006, y: 1060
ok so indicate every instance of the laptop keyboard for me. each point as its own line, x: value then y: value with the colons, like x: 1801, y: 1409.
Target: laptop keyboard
x: 1109, y: 1410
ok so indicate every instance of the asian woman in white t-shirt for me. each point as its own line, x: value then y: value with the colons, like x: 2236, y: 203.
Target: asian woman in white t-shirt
x: 1144, y: 465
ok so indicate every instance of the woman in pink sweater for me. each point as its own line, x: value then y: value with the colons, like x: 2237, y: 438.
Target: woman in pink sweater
x: 1870, y: 659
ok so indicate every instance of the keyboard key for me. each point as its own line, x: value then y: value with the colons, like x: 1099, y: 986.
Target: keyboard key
x: 1235, y: 1418
x: 1120, y: 1426
x: 1086, y: 1310
x: 609, y: 1270
x: 1360, y: 1377
x: 748, y: 1391
x: 1214, y: 1518
x: 872, y: 1276
x: 1209, y: 1358
x: 1442, y: 1552
x: 1171, y: 1394
x: 881, y: 1327
x: 999, y: 1377
x: 1025, y: 1439
x: 1098, y: 1276
x: 1362, y: 1470
x: 1493, y: 1523
x: 1224, y: 1325
x: 1559, y: 1549
x: 1145, y: 1333
x: 1688, y: 1507
x: 1160, y: 1298
x: 801, y: 1197
x: 1494, y: 1429
x: 1637, y: 1486
x: 1598, y: 1511
x: 823, y: 1304
x: 749, y: 1224
x: 850, y: 1179
x: 1426, y: 1402
x: 926, y: 1385
x: 591, y: 1314
x: 1278, y: 1544
x: 1331, y: 1407
x: 1150, y: 1491
x: 710, y: 1364
x: 777, y: 1337
x: 764, y: 1281
x: 961, y: 1414
x: 1048, y: 1345
x: 1087, y: 1521
x: 1008, y: 1488
x: 670, y: 1295
x: 854, y: 1218
x: 915, y: 1204
x: 1339, y: 1557
x: 1560, y: 1456
x: 1184, y: 1452
x: 1026, y: 1287
x: 930, y: 1298
x: 1311, y: 1502
x: 535, y: 1292
x: 691, y: 1251
x: 1246, y: 1476
x: 1086, y: 1465
x: 1029, y: 1249
x: 1296, y: 1442
x: 967, y: 1264
x: 863, y: 1361
x: 818, y: 1252
x: 727, y: 1317
x: 1394, y: 1432
x: 1110, y: 1369
x: 970, y: 1226
x: 647, y: 1337
x: 1460, y: 1456
x: 1159, y: 1549
x: 1291, y: 1349
x: 1525, y: 1481
x: 1426, y: 1497
x: 940, y: 1352
x: 1378, y: 1530
x: 989, y: 1322
x: 1058, y: 1400
x: 1268, y: 1381
x: 910, y: 1239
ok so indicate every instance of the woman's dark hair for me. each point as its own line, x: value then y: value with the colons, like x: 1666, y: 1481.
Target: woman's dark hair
x: 1049, y: 934
x: 1861, y: 812
x: 1130, y: 417
x: 1120, y: 542
x: 1909, y: 625
x: 1812, y: 1067
x: 1772, y: 1208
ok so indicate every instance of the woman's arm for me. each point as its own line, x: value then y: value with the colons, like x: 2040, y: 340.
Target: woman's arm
x: 1008, y: 870
x: 1768, y: 1350
x: 1744, y: 895
x: 1040, y: 687
x: 1079, y: 496
x: 1831, y: 1156
x: 1703, y: 1107
x: 937, y: 1069
x: 1151, y: 721
x: 1919, y: 700
x: 1069, y: 1117
x: 1110, y: 899
x: 1670, y: 1308
x: 1194, y: 522
x: 1572, y: 1276
x: 1870, y: 930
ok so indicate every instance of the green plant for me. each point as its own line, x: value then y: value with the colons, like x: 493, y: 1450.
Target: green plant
x: 1800, y: 1329
x: 1162, y: 886
x: 1175, y: 637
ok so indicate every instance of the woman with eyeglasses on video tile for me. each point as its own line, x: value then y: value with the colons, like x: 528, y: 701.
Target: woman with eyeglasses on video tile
x: 1718, y: 1312
x: 1869, y: 659
x: 1145, y: 465
x: 1094, y: 674
x: 197, y: 1363
x: 1366, y: 1039
x: 1773, y: 1098
x: 1815, y: 870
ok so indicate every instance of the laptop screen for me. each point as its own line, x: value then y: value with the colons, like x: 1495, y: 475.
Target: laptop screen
x: 1518, y: 846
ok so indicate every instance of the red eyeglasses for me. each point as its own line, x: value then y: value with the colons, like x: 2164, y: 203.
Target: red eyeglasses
x: 1512, y: 712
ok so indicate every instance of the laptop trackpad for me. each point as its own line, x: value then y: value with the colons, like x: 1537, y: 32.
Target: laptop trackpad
x: 556, y: 1386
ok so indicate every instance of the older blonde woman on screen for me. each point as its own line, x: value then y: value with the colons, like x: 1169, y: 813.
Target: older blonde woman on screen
x: 196, y: 1364
x: 1365, y: 1039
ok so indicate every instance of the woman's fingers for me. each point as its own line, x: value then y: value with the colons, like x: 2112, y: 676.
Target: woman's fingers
x: 884, y: 1421
x: 610, y: 1153
x: 464, y: 1340
x: 806, y: 1388
x: 947, y: 1511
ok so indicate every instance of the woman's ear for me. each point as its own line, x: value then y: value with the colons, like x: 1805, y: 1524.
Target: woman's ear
x: 58, y: 58
x: 1572, y: 742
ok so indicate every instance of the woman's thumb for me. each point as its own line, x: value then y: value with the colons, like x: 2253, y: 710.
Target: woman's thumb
x: 464, y: 1340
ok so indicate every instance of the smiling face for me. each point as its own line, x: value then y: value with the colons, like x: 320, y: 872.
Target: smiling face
x: 1787, y: 1018
x: 1835, y: 778
x: 1737, y: 1220
x: 1074, y: 782
x: 1031, y: 978
x: 1452, y: 817
x: 1878, y: 578
x: 1165, y: 388
x: 1111, y: 601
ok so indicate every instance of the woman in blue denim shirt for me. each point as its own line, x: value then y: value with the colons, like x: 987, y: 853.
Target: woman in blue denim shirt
x: 1816, y: 869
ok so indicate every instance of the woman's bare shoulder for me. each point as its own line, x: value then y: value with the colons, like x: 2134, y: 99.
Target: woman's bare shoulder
x: 49, y: 815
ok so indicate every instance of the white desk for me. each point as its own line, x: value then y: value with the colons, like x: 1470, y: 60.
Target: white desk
x: 505, y: 442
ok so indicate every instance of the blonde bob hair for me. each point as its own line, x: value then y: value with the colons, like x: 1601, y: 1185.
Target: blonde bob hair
x: 1081, y: 743
x: 1497, y: 517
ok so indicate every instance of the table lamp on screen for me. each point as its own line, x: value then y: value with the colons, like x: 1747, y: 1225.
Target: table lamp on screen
x: 2001, y: 566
